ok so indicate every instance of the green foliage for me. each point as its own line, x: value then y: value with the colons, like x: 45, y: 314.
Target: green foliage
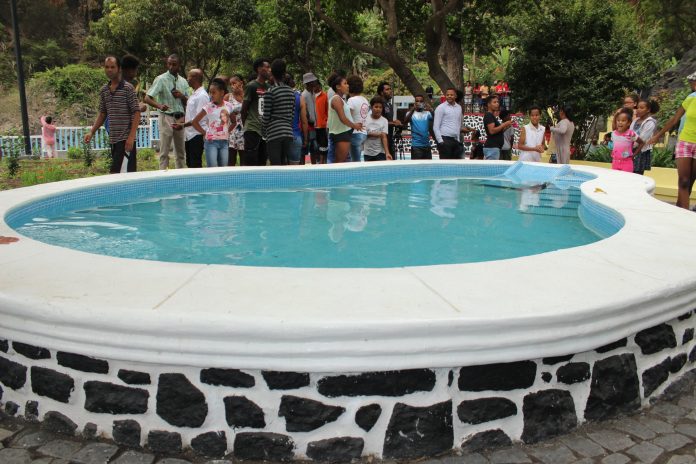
x: 669, y: 103
x: 12, y: 153
x: 663, y: 158
x: 52, y: 173
x: 601, y: 155
x: 673, y: 21
x: 105, y: 161
x: 374, y: 76
x: 75, y: 153
x: 146, y: 154
x: 88, y: 154
x: 73, y: 84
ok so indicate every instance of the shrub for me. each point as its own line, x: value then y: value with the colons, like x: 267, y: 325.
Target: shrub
x: 663, y: 158
x: 146, y: 154
x: 73, y: 84
x: 75, y: 153
x: 88, y: 154
x: 53, y: 173
x: 600, y: 155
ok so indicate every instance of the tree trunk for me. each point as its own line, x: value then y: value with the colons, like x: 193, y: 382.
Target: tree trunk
x: 434, y: 31
x: 452, y: 57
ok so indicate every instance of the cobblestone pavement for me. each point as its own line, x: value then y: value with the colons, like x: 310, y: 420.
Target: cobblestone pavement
x: 664, y: 433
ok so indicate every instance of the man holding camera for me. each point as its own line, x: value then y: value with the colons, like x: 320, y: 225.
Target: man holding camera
x: 420, y: 117
x: 169, y: 94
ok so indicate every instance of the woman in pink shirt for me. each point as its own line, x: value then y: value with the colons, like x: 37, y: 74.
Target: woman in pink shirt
x: 48, y: 133
x: 623, y: 138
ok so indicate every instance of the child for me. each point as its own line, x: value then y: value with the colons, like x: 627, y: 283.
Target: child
x: 48, y: 133
x: 218, y: 115
x: 623, y: 138
x: 476, y: 146
x: 644, y: 126
x: 376, y: 146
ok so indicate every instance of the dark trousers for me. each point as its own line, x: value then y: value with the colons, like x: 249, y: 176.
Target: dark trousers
x: 254, y: 150
x: 279, y: 150
x: 118, y: 151
x: 194, y: 152
x: 450, y: 148
x: 379, y: 157
x: 505, y: 154
x: 421, y: 153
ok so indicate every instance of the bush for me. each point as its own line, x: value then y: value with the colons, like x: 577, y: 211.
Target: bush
x: 74, y: 84
x: 52, y: 173
x: 75, y: 153
x: 146, y: 154
x: 601, y: 155
x: 663, y: 158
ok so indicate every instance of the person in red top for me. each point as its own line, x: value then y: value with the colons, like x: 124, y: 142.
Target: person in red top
x: 48, y: 134
x: 322, y: 108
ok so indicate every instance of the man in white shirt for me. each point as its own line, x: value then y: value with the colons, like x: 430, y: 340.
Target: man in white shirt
x: 194, y: 105
x: 447, y: 126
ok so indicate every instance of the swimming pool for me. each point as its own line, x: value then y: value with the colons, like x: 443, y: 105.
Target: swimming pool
x: 282, y: 362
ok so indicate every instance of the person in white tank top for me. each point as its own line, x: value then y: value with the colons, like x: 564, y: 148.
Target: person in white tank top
x: 531, y: 143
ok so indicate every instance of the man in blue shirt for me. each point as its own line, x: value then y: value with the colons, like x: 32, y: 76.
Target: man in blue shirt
x: 420, y: 117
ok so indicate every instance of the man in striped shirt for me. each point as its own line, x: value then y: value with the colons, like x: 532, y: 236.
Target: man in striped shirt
x: 118, y: 102
x: 278, y: 111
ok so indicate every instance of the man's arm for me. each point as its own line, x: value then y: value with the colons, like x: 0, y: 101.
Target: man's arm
x: 492, y: 129
x: 130, y: 141
x: 385, y: 144
x: 437, y: 120
x: 669, y: 125
x: 149, y: 96
x: 101, y: 117
x: 304, y: 123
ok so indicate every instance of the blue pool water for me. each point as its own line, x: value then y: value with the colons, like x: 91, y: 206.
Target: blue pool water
x: 384, y: 224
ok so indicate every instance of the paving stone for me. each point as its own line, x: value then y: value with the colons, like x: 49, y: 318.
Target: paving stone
x: 686, y: 429
x: 134, y: 457
x: 682, y: 460
x: 613, y: 441
x: 173, y: 461
x: 657, y: 425
x: 634, y: 427
x: 34, y: 439
x: 585, y: 461
x: 48, y: 460
x: 617, y: 458
x: 671, y: 441
x: 14, y: 456
x: 669, y: 411
x: 555, y: 454
x: 95, y: 453
x: 60, y: 448
x: 645, y: 452
x: 688, y: 402
x: 583, y: 446
x: 473, y: 458
x: 218, y: 461
x: 509, y: 456
x: 4, y: 433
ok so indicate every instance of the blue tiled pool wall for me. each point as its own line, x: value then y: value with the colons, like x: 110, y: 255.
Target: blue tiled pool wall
x: 600, y: 219
x: 137, y: 190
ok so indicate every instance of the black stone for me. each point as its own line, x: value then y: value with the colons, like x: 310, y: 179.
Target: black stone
x: 56, y: 422
x: 4, y: 346
x: 450, y: 378
x: 89, y: 431
x: 486, y: 440
x: 285, y: 380
x: 263, y: 446
x: 161, y: 441
x: 127, y: 433
x: 573, y: 373
x: 656, y: 339
x: 50, y: 383
x: 546, y: 377
x: 557, y: 359
x: 685, y: 316
x: 501, y: 376
x: 31, y: 411
x: 655, y: 376
x: 692, y: 354
x: 227, y: 377
x: 389, y: 383
x: 82, y: 363
x: 612, y: 346
x: 614, y: 388
x: 210, y: 444
x: 677, y: 363
x: 419, y: 431
x: 13, y: 375
x: 366, y: 417
x: 134, y: 377
x: 241, y: 412
x: 547, y: 413
x: 11, y: 408
x: 688, y: 336
x: 179, y: 402
x: 485, y: 410
x: 110, y: 398
x: 304, y: 415
x: 341, y: 449
x: 31, y: 351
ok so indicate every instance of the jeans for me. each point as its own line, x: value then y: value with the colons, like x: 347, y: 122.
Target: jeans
x: 216, y: 153
x: 379, y: 157
x: 356, y: 144
x: 254, y: 149
x: 279, y: 150
x: 450, y: 148
x: 296, y: 153
x: 194, y: 152
x: 421, y: 153
x: 118, y: 151
x: 491, y: 153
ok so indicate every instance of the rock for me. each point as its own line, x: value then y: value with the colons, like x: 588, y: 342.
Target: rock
x: 546, y: 377
x: 655, y: 376
x: 285, y: 380
x: 52, y: 384
x: 485, y: 410
x: 4, y: 346
x: 55, y: 422
x: 389, y: 383
x: 498, y: 377
x: 241, y: 412
x: 179, y: 402
x: 210, y: 444
x: 557, y: 359
x: 134, y: 377
x: 13, y: 375
x: 227, y: 377
x: 656, y: 339
x: 573, y: 373
x: 263, y: 446
x: 104, y: 397
x: 161, y: 441
x: 688, y: 336
x: 82, y: 363
x: 612, y: 346
x: 677, y: 363
x: 419, y: 431
x: 340, y: 449
x: 673, y: 78
x: 486, y: 440
x: 127, y: 433
x: 31, y: 411
x: 547, y: 413
x: 304, y: 415
x: 11, y: 408
x: 89, y: 432
x: 31, y: 351
x: 614, y: 388
x: 366, y: 417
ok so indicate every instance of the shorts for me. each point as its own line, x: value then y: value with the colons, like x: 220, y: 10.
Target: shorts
x: 622, y: 164
x: 378, y: 157
x: 342, y: 137
x: 322, y: 136
x: 685, y: 149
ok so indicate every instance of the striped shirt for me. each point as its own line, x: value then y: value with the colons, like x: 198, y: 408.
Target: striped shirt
x: 119, y: 106
x: 278, y: 110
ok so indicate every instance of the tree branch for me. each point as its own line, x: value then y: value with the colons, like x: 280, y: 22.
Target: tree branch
x: 345, y: 35
x: 389, y: 9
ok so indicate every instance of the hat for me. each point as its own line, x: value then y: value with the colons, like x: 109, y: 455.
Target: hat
x: 309, y: 77
x: 691, y: 77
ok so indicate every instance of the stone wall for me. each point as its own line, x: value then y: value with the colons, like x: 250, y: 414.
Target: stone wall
x: 337, y: 416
